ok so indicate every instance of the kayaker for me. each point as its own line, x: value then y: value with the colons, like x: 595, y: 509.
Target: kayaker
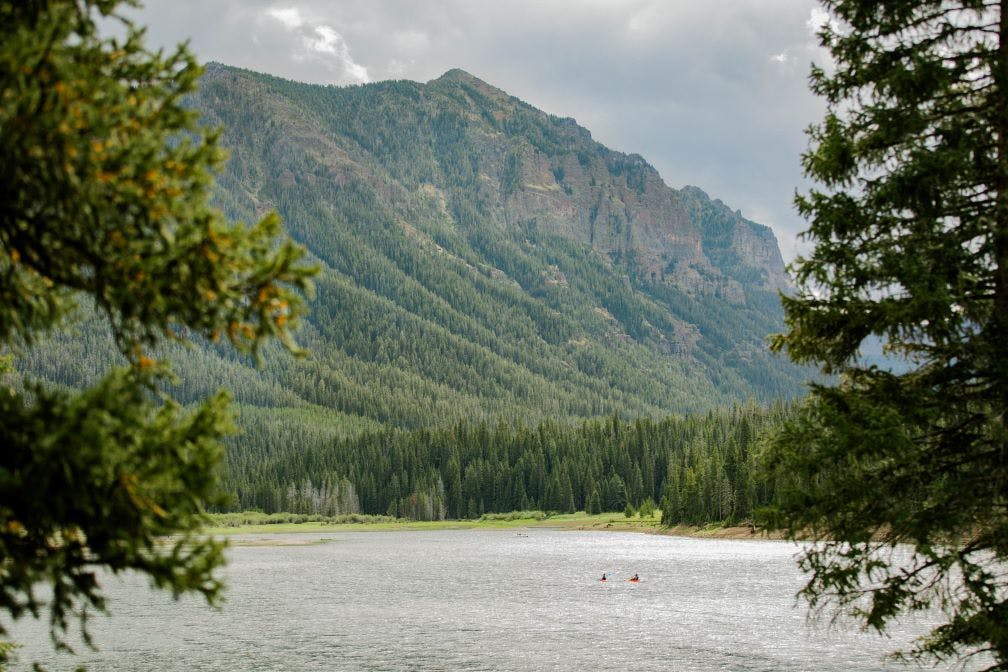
x: 635, y: 578
x: 603, y: 577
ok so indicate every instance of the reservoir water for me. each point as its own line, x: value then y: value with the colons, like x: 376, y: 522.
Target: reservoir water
x: 479, y: 600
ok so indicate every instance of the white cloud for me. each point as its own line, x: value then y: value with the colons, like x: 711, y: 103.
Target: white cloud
x: 781, y: 57
x: 290, y: 17
x: 320, y: 43
x: 331, y: 44
x: 327, y: 42
x: 818, y: 19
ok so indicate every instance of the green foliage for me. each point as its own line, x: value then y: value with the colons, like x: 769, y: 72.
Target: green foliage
x: 647, y: 508
x: 701, y: 467
x: 133, y: 223
x: 103, y: 201
x: 242, y: 518
x: 911, y: 246
x: 7, y: 650
x: 117, y: 473
x: 515, y: 515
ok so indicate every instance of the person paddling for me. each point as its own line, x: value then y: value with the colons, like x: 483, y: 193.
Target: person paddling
x: 635, y: 578
x: 603, y: 577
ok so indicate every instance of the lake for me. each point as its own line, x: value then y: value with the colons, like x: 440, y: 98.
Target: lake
x: 480, y: 600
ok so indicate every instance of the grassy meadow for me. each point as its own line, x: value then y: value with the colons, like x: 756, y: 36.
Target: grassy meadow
x: 254, y: 522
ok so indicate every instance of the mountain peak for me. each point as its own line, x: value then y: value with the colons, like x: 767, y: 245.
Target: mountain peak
x: 460, y: 75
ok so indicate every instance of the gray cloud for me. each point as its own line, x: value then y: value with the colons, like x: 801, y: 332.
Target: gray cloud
x: 711, y: 93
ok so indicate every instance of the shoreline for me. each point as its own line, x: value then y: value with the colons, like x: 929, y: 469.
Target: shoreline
x: 606, y: 522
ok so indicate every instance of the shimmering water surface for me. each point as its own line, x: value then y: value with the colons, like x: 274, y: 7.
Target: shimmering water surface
x: 480, y: 600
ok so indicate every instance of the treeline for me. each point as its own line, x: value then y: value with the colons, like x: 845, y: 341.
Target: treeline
x: 699, y: 468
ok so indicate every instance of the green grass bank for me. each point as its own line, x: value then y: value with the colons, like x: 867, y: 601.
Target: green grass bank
x: 253, y: 522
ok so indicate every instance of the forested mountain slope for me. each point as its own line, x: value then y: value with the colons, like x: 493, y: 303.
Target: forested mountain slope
x: 479, y: 259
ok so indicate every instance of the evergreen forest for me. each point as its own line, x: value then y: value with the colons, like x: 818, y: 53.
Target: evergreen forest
x: 699, y: 469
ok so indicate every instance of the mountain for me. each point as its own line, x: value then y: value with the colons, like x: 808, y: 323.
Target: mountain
x: 479, y: 258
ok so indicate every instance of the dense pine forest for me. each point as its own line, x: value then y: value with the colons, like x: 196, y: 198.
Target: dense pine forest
x: 699, y: 469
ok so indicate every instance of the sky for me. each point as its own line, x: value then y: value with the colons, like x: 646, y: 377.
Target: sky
x: 712, y: 93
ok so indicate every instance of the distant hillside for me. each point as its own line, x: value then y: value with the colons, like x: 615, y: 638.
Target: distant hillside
x: 480, y: 258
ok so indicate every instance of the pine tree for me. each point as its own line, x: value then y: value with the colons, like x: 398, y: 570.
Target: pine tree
x: 594, y: 504
x: 104, y: 202
x: 910, y: 234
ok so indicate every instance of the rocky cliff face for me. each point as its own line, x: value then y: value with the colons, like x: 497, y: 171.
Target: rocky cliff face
x: 549, y: 170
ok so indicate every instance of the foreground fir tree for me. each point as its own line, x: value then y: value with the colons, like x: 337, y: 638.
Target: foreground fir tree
x: 904, y: 473
x: 103, y: 198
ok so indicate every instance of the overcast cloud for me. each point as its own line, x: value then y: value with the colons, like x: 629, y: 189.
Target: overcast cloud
x: 711, y: 93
